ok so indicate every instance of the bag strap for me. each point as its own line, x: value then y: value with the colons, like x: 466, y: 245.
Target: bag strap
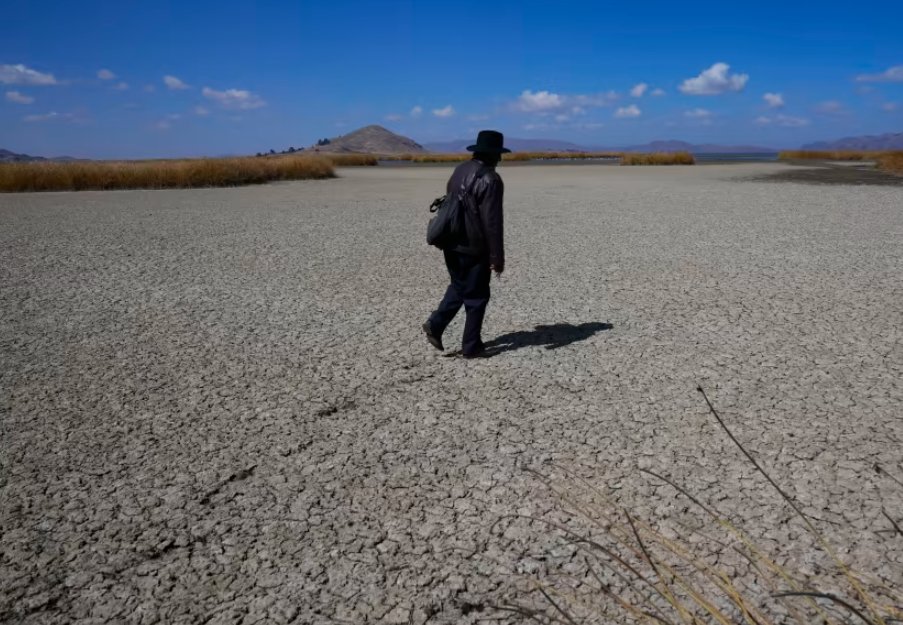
x: 468, y: 183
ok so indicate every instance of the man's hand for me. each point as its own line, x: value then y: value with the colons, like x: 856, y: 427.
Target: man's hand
x: 498, y: 269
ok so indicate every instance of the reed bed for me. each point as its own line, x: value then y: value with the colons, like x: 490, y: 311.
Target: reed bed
x: 888, y: 160
x: 430, y: 158
x: 352, y: 160
x: 560, y: 156
x: 658, y: 158
x: 670, y: 572
x: 163, y: 174
x: 891, y: 162
x: 513, y: 156
x: 827, y: 155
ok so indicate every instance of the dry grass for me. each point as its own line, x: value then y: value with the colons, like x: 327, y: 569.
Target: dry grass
x: 352, y: 160
x: 513, y: 156
x: 164, y: 174
x: 673, y: 572
x: 658, y: 158
x: 663, y: 158
x: 430, y: 158
x: 889, y: 161
x: 560, y: 156
x: 832, y: 155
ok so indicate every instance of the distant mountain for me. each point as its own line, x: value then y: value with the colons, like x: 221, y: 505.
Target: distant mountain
x: 889, y: 141
x: 370, y: 140
x: 11, y: 157
x: 514, y: 144
x: 696, y: 148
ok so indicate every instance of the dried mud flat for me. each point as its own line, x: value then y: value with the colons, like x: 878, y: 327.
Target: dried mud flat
x: 216, y: 406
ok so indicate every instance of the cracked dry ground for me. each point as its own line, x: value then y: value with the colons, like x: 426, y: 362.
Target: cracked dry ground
x: 217, y: 406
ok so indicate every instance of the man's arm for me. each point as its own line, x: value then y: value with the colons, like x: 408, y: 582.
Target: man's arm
x: 493, y: 221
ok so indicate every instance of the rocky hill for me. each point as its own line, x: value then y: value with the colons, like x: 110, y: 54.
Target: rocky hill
x: 369, y: 140
x: 888, y: 141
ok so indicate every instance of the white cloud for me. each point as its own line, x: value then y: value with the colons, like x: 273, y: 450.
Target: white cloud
x: 121, y: 86
x: 782, y: 120
x: 639, y: 89
x: 149, y: 88
x: 625, y: 112
x: 561, y: 121
x: 393, y: 118
x: 417, y: 111
x: 201, y: 111
x: 714, y: 81
x: 174, y: 83
x: 21, y: 75
x: 892, y: 74
x: 890, y: 107
x: 698, y: 113
x: 105, y: 74
x: 53, y: 115
x: 532, y: 102
x: 547, y: 102
x: 830, y: 107
x: 18, y: 98
x: 238, y: 99
x: 657, y: 92
x: 774, y: 100
x: 447, y: 111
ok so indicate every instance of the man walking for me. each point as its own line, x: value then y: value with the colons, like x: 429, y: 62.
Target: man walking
x: 480, y: 252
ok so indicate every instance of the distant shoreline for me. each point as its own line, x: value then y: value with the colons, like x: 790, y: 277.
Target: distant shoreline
x: 701, y: 159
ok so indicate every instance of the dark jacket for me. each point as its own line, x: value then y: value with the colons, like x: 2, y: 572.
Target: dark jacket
x: 486, y: 198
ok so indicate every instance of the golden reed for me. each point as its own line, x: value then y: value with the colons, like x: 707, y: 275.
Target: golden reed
x: 163, y: 174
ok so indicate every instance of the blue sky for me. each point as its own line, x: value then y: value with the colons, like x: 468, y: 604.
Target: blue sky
x: 200, y: 77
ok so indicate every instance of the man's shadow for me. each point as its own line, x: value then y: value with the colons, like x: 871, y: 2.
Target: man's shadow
x: 550, y: 337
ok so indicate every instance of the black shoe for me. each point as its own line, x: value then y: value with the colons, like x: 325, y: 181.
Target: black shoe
x: 434, y: 340
x: 478, y: 353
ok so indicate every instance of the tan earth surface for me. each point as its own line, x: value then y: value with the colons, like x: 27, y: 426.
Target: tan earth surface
x: 217, y: 406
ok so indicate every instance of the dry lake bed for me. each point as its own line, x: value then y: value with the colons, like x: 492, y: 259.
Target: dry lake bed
x: 217, y: 406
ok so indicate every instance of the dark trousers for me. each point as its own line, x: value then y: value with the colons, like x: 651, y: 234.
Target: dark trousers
x: 469, y: 287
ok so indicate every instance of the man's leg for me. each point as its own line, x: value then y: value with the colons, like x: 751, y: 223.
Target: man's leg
x: 476, y: 298
x: 454, y: 296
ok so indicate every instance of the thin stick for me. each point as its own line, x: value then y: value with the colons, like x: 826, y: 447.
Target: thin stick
x: 879, y: 469
x: 824, y: 595
x: 844, y: 568
x: 730, y: 434
x: 556, y: 606
x: 892, y: 522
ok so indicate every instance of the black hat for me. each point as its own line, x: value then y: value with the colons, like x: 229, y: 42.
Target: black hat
x: 489, y: 141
